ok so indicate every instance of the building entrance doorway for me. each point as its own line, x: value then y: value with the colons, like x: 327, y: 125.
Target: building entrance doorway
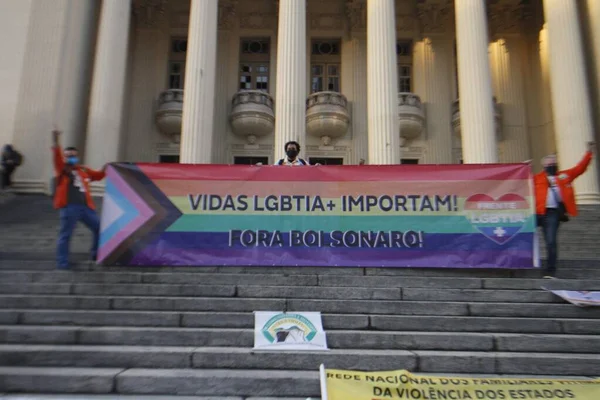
x: 409, y: 161
x: 168, y: 159
x: 250, y: 160
x: 326, y: 160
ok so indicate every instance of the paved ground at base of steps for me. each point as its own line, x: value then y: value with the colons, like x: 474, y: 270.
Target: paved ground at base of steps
x: 118, y: 397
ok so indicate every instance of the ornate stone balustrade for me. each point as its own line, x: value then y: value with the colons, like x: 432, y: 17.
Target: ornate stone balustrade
x: 327, y: 116
x: 168, y: 113
x: 411, y: 115
x: 252, y: 114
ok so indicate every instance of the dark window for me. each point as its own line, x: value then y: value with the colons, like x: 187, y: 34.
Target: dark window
x: 409, y: 161
x: 326, y: 161
x: 326, y: 47
x: 179, y: 45
x: 255, y: 46
x: 250, y: 160
x: 168, y: 159
x: 254, y: 64
x: 403, y: 48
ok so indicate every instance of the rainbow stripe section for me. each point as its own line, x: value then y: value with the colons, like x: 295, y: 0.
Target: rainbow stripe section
x: 396, y: 216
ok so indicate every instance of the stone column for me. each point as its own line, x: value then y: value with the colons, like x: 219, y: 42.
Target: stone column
x: 435, y: 89
x: 382, y: 83
x: 435, y: 77
x: 570, y: 100
x: 36, y: 105
x: 199, y: 91
x: 223, y: 100
x: 72, y: 96
x: 474, y: 81
x: 290, y: 93
x: 108, y: 85
x: 150, y: 42
x: 507, y: 70
x: 360, y: 137
x: 593, y: 24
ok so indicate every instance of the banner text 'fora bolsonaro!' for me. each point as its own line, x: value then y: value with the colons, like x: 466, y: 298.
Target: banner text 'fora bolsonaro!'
x: 456, y: 216
x: 403, y: 385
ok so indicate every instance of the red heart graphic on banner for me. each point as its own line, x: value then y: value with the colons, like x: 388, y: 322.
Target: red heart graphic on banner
x: 499, y: 219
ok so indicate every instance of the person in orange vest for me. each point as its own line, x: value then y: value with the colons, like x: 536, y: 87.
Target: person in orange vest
x: 73, y: 198
x: 555, y: 200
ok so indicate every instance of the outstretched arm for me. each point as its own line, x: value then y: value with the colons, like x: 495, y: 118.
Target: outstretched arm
x: 59, y: 162
x: 97, y: 175
x: 582, y: 166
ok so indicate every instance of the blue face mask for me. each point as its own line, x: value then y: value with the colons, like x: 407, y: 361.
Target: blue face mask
x: 73, y: 160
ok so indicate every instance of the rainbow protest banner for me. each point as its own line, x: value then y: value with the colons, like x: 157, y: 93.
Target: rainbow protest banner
x: 458, y: 216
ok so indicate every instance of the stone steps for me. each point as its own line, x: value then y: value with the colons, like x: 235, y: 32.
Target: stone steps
x: 127, y: 332
x: 289, y: 292
x: 236, y: 358
x: 188, y: 382
x: 418, y: 323
x: 40, y: 263
x: 582, y: 282
x: 377, y: 307
x: 182, y: 382
x: 336, y: 339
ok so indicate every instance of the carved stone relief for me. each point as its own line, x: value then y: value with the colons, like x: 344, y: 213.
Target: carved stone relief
x: 227, y: 13
x: 258, y: 20
x: 435, y: 16
x: 405, y: 23
x: 149, y: 13
x: 356, y: 12
x: 325, y: 22
x: 507, y: 16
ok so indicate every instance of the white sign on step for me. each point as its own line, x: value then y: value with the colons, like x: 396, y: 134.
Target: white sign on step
x: 280, y: 331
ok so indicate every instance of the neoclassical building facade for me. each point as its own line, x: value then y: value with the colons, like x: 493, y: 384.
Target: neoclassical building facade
x: 230, y: 81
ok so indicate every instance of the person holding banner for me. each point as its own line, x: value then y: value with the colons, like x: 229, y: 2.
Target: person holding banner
x: 73, y: 198
x: 292, y: 149
x: 555, y: 200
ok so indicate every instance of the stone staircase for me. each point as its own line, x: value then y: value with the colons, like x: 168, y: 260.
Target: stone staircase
x: 187, y: 332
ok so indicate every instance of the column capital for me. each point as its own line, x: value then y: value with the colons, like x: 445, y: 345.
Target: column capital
x: 508, y: 17
x: 149, y: 13
x: 435, y: 16
x: 276, y: 5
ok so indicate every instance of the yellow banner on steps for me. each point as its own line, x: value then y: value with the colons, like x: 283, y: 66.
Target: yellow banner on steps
x: 403, y: 385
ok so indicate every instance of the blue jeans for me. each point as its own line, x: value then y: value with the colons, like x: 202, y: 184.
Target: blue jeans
x: 69, y: 216
x: 550, y: 229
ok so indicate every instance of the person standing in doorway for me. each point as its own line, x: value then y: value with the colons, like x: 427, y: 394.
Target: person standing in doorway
x: 292, y: 149
x: 73, y: 198
x: 555, y: 200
